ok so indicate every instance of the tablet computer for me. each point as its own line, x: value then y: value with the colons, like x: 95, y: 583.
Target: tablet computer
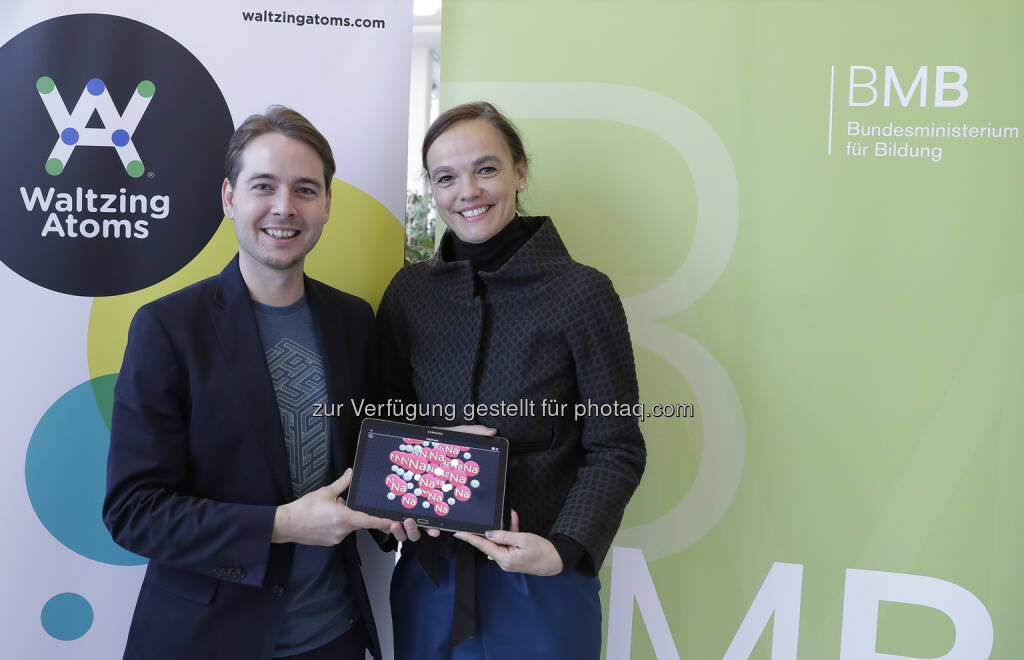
x: 445, y: 479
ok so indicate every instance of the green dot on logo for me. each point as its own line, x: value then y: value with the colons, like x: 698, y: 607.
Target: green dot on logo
x: 45, y: 85
x: 135, y: 169
x: 146, y: 89
x: 55, y: 167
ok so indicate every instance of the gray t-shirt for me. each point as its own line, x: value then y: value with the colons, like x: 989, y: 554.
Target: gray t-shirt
x: 320, y: 607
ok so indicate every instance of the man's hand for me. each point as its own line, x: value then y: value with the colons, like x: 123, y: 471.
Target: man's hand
x: 515, y: 551
x: 408, y: 530
x: 322, y: 517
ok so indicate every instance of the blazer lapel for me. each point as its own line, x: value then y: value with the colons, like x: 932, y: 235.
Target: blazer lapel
x: 331, y: 329
x: 239, y: 338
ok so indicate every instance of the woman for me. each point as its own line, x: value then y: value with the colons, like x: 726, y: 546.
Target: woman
x: 502, y: 313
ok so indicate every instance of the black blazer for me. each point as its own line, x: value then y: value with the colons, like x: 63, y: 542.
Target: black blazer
x: 198, y: 465
x: 547, y: 329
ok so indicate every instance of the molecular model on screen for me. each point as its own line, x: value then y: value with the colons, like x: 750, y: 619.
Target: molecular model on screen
x: 439, y: 474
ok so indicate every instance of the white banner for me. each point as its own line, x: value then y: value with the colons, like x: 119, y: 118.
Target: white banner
x: 115, y: 116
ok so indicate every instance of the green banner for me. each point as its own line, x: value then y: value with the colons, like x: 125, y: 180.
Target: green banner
x: 807, y: 209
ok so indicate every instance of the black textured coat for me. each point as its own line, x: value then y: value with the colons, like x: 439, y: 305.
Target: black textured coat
x: 548, y: 328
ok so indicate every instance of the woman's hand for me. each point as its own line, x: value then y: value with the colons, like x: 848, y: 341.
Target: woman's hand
x: 475, y: 429
x: 515, y: 551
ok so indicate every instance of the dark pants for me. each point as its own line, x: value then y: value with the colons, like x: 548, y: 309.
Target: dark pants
x: 519, y: 616
x: 350, y: 646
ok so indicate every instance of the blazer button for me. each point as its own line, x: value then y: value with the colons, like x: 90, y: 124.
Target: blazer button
x: 277, y: 590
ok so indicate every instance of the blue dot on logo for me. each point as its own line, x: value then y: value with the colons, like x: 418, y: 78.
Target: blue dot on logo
x: 69, y: 136
x: 66, y: 616
x: 95, y: 86
x: 120, y: 137
x: 66, y: 472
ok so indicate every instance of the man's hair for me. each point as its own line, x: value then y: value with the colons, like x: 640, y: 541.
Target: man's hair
x: 287, y: 122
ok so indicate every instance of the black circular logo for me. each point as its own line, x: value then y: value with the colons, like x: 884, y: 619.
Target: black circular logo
x: 113, y: 149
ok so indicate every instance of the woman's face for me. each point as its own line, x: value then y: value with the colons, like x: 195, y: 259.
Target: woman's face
x: 474, y: 180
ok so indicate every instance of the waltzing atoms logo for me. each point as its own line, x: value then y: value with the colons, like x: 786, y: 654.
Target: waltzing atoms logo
x: 117, y: 129
x: 76, y: 218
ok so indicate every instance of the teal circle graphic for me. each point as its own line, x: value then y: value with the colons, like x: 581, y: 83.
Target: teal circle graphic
x: 66, y: 616
x: 66, y: 471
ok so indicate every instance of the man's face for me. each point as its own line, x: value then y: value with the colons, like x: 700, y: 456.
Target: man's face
x: 279, y: 203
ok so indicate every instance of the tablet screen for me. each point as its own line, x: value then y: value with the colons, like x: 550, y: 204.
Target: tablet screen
x: 445, y: 479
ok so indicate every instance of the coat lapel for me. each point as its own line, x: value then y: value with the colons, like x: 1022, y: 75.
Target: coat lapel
x: 330, y: 327
x: 239, y: 339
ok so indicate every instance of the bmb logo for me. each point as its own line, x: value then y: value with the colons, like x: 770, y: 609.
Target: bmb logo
x: 117, y: 129
x: 76, y: 218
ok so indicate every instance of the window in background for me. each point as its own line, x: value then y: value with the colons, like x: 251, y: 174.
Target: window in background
x: 425, y: 76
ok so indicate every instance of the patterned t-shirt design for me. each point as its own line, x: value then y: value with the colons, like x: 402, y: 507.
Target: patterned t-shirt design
x: 298, y: 376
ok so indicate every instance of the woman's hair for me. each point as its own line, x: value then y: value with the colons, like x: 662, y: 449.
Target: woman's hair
x: 477, y: 110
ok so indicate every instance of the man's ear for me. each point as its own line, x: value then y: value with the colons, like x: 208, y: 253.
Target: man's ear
x: 329, y: 198
x: 227, y: 199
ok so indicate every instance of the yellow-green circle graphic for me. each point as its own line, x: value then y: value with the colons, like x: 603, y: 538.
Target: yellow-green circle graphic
x: 359, y: 251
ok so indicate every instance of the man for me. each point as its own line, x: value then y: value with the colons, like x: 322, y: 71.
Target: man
x: 218, y: 470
